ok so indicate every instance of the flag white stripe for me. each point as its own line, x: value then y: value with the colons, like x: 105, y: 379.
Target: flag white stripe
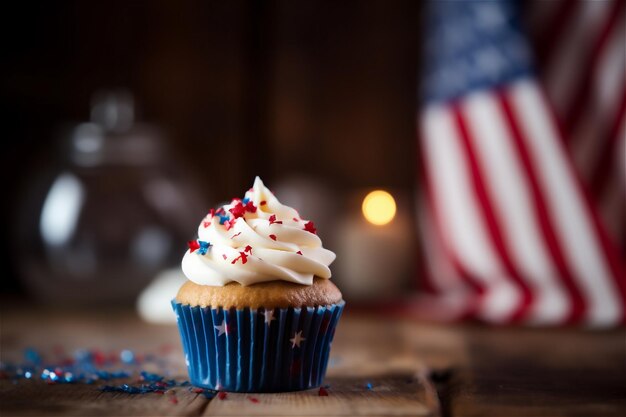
x: 568, y: 61
x: 601, y: 108
x: 577, y: 238
x: 462, y: 226
x: 510, y: 192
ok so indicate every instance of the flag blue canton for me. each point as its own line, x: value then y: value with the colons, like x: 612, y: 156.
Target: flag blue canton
x: 472, y: 45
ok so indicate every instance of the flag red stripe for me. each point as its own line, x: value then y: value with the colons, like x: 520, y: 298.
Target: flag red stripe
x: 605, y: 164
x: 486, y: 206
x: 608, y: 248
x: 553, y: 33
x: 590, y: 66
x: 578, y: 306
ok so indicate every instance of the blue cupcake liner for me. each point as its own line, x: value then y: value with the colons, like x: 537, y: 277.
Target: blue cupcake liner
x: 239, y: 351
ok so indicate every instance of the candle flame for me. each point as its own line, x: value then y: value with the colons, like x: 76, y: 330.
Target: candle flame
x: 379, y: 207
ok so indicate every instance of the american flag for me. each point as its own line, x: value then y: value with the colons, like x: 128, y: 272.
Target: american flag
x: 521, y: 140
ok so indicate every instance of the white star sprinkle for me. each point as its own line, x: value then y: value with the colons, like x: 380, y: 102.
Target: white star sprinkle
x: 297, y: 339
x: 222, y: 329
x: 269, y: 316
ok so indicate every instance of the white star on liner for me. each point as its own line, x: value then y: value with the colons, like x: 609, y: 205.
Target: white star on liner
x: 269, y: 316
x: 297, y: 339
x: 222, y: 328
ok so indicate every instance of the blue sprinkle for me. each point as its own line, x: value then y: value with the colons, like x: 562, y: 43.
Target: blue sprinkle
x: 208, y: 394
x: 368, y: 386
x: 184, y: 383
x: 28, y: 374
x: 245, y: 200
x: 223, y: 218
x: 32, y: 356
x: 130, y: 389
x: 204, y: 247
x: 147, y: 376
x: 127, y: 356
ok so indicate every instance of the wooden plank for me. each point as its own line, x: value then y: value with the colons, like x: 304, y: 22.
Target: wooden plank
x: 400, y: 395
x: 541, y: 372
x: 391, y: 355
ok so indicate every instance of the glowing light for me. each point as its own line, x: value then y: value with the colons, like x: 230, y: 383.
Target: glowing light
x: 379, y: 207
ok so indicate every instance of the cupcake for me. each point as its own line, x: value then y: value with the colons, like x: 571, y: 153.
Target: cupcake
x: 258, y: 312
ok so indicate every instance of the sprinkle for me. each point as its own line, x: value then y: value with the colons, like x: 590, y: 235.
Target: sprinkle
x: 245, y: 200
x: 174, y: 400
x: 204, y: 247
x: 295, y: 219
x: 253, y: 400
x: 127, y: 356
x: 222, y: 395
x: 230, y: 223
x: 242, y: 256
x: 206, y: 224
x: 323, y: 392
x: 299, y: 252
x: 250, y: 207
x: 368, y: 386
x: 198, y: 390
x: 273, y: 237
x: 219, y: 211
x: 310, y: 227
x: 193, y: 245
x: 223, y: 218
x: 211, y: 213
x: 147, y: 376
x: 224, y: 256
x: 235, y: 235
x: 262, y: 203
x: 31, y: 355
x: 248, y: 248
x: 238, y: 210
x: 274, y: 221
x: 208, y: 394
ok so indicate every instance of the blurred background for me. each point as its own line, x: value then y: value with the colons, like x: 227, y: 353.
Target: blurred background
x: 500, y: 122
x: 142, y: 115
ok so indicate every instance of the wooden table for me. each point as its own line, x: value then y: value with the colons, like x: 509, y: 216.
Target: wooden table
x: 414, y: 369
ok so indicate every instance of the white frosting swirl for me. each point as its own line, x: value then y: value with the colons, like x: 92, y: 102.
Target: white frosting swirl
x: 254, y: 240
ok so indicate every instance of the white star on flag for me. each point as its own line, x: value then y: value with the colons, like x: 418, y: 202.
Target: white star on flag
x: 222, y: 328
x: 269, y: 316
x: 297, y: 339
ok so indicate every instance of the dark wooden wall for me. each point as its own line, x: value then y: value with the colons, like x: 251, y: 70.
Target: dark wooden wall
x: 324, y: 88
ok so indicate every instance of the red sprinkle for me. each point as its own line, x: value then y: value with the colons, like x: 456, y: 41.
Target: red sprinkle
x: 253, y: 400
x: 224, y: 256
x: 273, y: 237
x: 238, y: 210
x: 206, y: 224
x: 273, y: 220
x: 250, y: 207
x: 295, y: 219
x: 248, y: 248
x: 323, y: 392
x: 299, y: 252
x: 242, y: 256
x: 222, y: 395
x: 198, y: 390
x: 160, y: 392
x: 235, y: 235
x: 212, y: 212
x: 173, y: 400
x: 193, y: 245
x: 310, y: 227
x: 262, y: 203
x: 229, y: 224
